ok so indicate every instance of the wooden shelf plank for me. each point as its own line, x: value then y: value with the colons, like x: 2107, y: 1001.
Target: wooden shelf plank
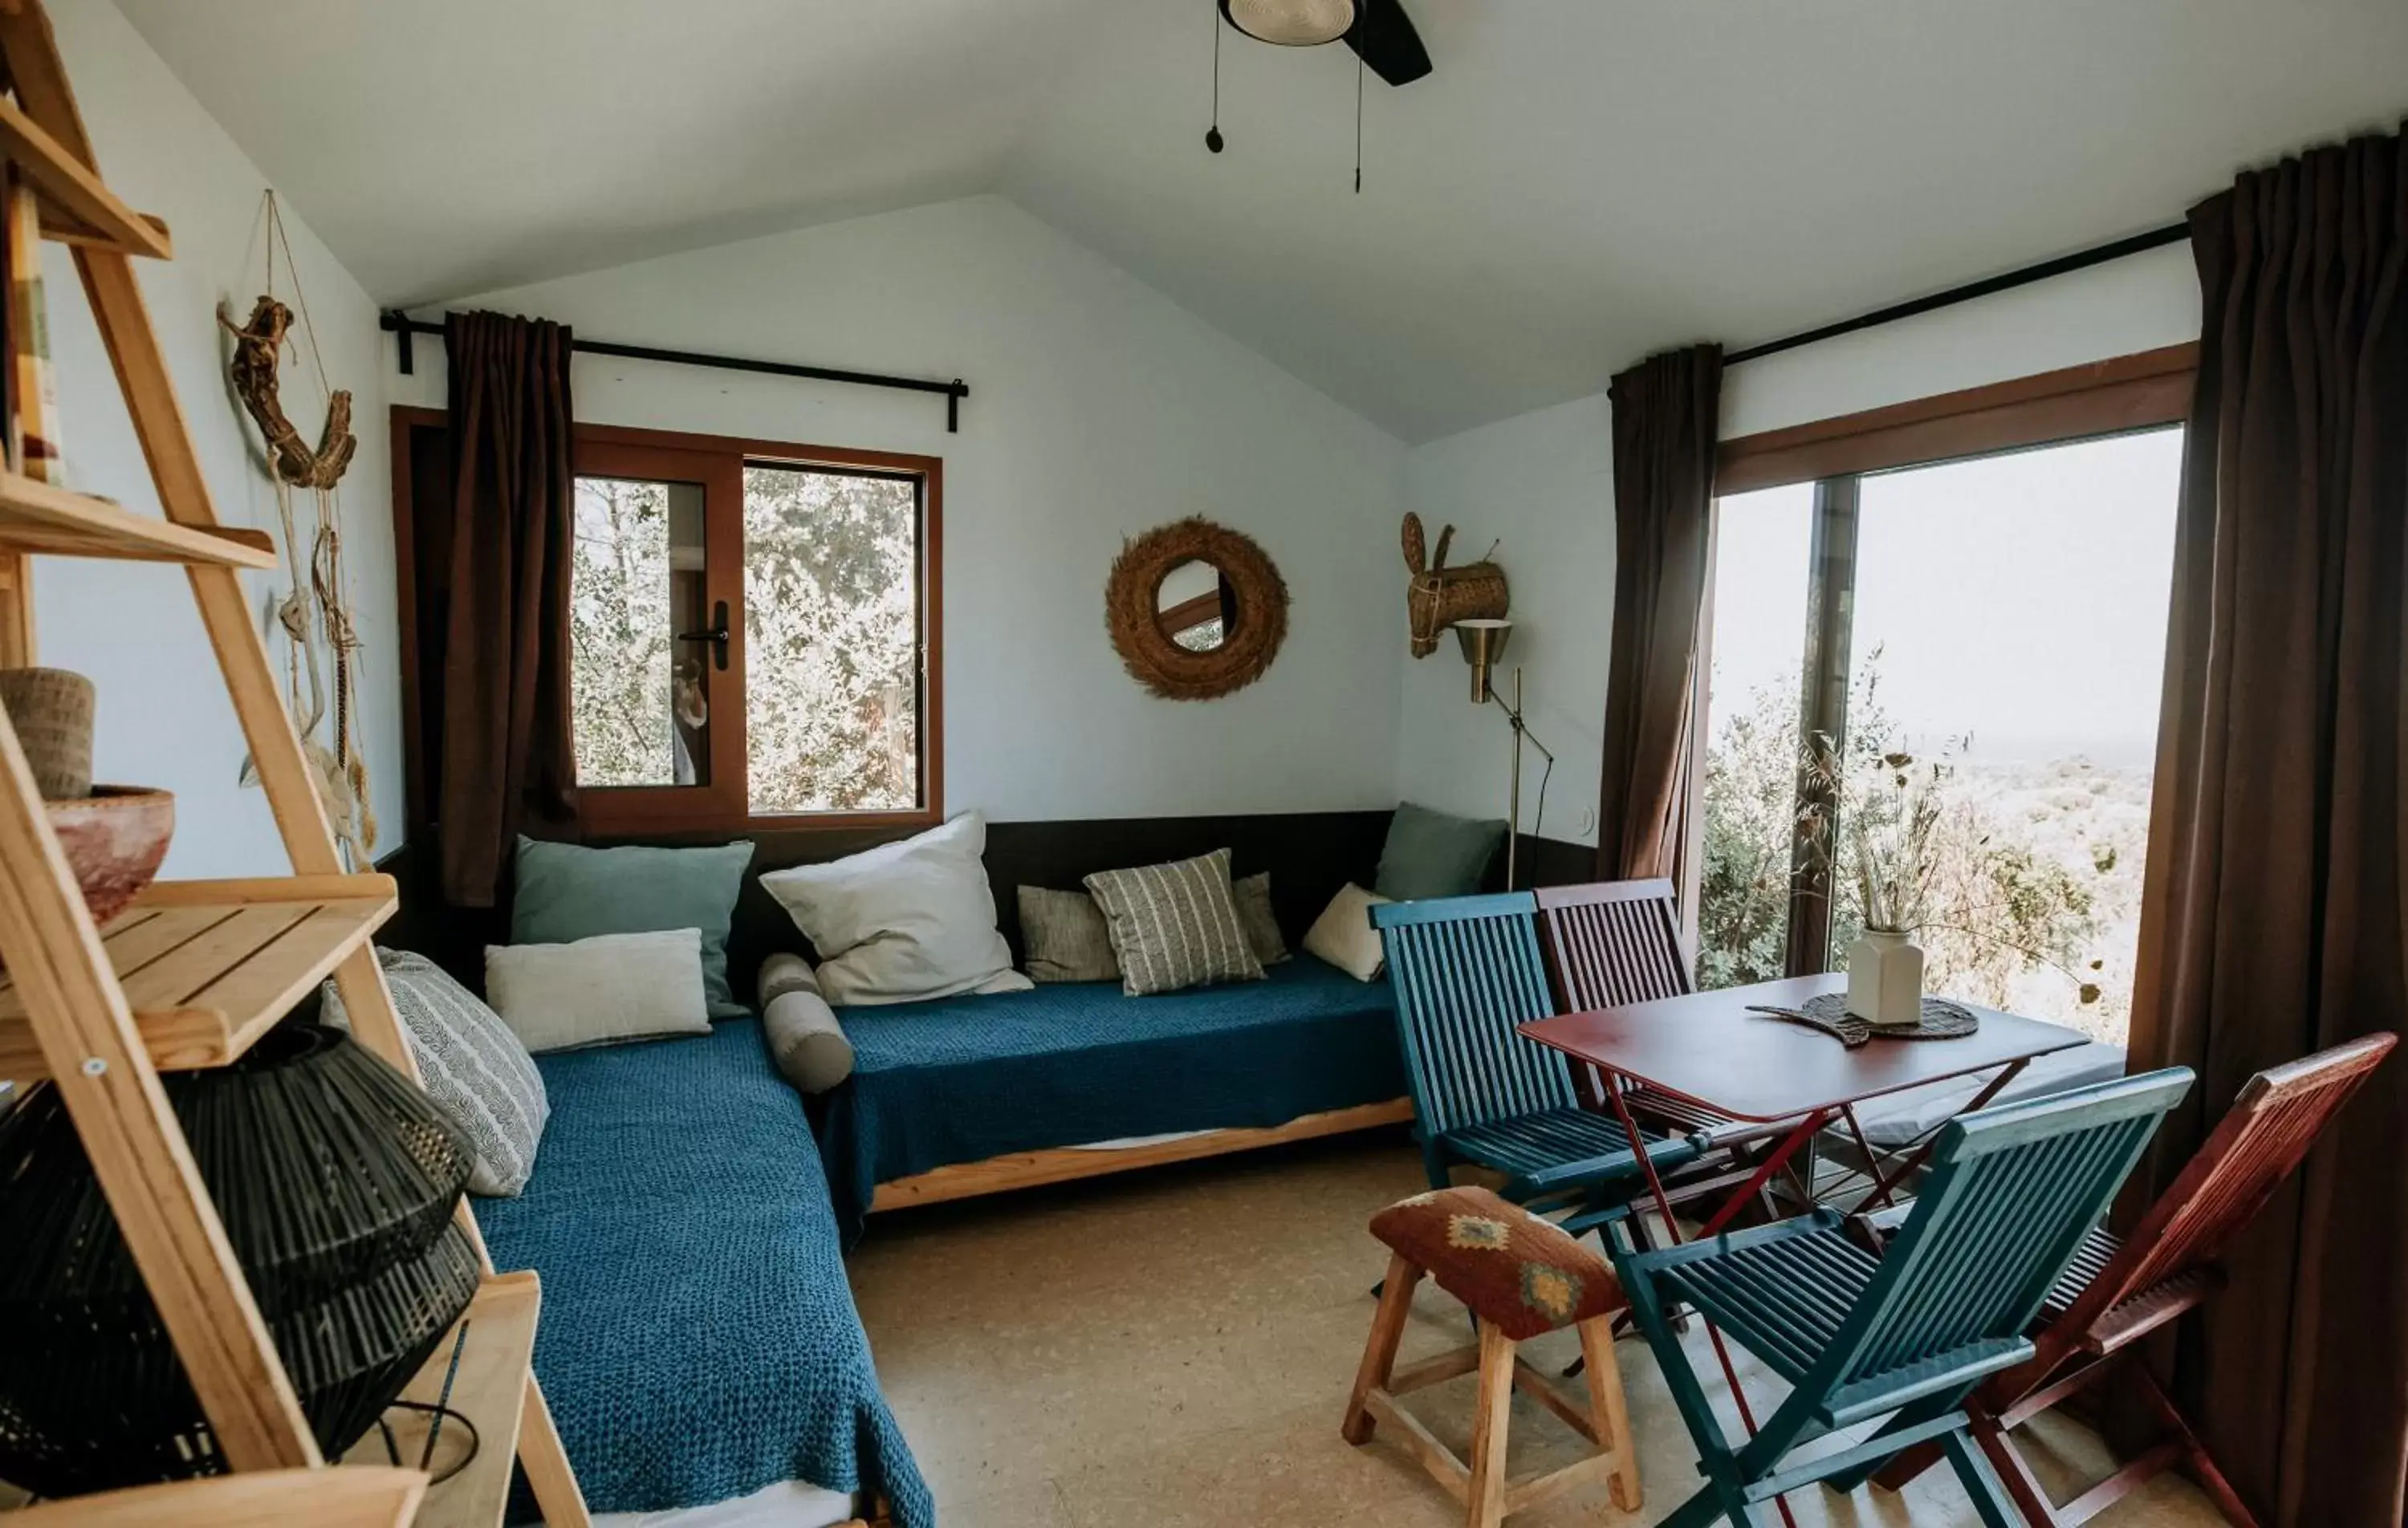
x: 489, y: 1389
x: 361, y: 1498
x: 91, y: 212
x: 210, y: 967
x: 38, y: 517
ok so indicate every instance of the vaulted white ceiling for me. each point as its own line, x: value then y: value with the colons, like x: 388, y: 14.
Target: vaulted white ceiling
x: 1578, y: 182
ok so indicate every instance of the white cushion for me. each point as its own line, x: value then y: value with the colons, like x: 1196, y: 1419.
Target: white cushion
x: 902, y: 921
x: 596, y: 992
x: 1343, y: 934
x: 1902, y: 1119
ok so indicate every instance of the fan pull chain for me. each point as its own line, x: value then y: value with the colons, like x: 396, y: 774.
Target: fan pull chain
x: 1212, y: 138
x: 1358, y: 122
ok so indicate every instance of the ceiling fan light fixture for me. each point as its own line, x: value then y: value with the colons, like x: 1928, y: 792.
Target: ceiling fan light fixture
x: 1292, y: 23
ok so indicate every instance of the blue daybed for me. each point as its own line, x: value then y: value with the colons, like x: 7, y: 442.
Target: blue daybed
x: 966, y: 1080
x: 678, y: 1196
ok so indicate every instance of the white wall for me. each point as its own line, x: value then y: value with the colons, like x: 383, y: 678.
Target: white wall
x: 163, y: 717
x: 1097, y: 409
x: 1544, y: 483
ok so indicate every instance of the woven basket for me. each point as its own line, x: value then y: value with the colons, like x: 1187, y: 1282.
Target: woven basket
x: 52, y: 710
x: 337, y: 1180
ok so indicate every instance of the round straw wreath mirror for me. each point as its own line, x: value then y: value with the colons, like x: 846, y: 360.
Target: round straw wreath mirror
x: 1196, y: 610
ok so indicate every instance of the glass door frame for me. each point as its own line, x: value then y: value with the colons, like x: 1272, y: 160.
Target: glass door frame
x: 722, y: 479
x: 2148, y: 389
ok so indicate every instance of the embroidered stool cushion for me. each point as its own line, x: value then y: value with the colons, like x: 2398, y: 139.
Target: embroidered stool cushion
x: 1517, y: 1272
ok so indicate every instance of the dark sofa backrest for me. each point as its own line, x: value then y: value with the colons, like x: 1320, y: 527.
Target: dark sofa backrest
x: 1309, y: 855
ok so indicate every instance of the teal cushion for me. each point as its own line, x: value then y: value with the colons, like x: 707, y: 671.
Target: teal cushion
x: 1433, y: 854
x: 566, y: 892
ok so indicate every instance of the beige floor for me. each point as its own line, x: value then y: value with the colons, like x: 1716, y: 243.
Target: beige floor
x: 1173, y: 1348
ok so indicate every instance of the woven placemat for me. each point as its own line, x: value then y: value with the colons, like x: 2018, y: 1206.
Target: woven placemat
x: 1943, y: 1020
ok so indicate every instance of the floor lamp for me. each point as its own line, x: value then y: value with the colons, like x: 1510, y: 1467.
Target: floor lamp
x: 1483, y: 644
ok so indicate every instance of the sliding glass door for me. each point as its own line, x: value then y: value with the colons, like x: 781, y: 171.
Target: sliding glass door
x: 1980, y: 642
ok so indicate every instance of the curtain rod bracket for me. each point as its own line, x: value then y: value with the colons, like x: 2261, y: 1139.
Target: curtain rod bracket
x: 396, y: 323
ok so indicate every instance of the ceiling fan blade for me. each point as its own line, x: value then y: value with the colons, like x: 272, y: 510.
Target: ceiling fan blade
x: 1384, y: 36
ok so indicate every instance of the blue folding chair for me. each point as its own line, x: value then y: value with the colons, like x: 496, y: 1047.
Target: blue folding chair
x: 1910, y: 1332
x: 1467, y: 970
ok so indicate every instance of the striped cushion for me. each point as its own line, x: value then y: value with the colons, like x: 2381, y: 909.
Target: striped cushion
x: 474, y: 1068
x: 1175, y: 925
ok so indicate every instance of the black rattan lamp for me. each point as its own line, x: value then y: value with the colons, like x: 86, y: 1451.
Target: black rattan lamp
x: 337, y: 1180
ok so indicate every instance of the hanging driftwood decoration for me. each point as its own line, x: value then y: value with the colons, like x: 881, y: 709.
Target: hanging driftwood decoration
x: 314, y: 613
x: 257, y: 346
x: 1437, y: 596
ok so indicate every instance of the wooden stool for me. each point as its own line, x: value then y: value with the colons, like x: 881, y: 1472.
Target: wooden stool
x: 1522, y: 1277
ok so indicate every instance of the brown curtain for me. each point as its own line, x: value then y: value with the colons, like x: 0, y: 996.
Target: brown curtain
x: 1665, y: 415
x: 2274, y: 920
x: 505, y: 750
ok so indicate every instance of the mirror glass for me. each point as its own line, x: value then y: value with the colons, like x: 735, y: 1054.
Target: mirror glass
x: 1194, y: 606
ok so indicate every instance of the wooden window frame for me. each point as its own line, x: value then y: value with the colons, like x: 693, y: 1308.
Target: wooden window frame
x: 2148, y: 389
x: 718, y: 461
x: 2145, y: 391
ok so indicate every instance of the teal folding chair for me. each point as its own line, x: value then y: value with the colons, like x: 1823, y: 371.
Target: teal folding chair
x: 1908, y: 1334
x: 1465, y: 971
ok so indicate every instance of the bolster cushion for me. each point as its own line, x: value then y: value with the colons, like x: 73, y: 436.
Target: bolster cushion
x: 806, y: 1040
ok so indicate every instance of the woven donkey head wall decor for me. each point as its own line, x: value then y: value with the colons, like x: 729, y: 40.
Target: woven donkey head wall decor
x: 1437, y: 596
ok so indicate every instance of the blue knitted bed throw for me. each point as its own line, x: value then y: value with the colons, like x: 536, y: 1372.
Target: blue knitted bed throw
x: 965, y: 1079
x: 698, y: 1341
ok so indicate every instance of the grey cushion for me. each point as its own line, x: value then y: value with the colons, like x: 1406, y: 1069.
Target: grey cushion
x: 474, y: 1068
x: 1066, y: 936
x: 1175, y: 925
x: 566, y: 892
x: 1253, y: 895
x: 1431, y: 853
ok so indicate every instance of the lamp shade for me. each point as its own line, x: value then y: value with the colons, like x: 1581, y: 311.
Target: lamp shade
x: 1483, y: 644
x: 1292, y: 23
x: 335, y: 1180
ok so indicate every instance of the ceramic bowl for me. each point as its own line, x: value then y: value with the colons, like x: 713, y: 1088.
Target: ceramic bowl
x: 114, y: 839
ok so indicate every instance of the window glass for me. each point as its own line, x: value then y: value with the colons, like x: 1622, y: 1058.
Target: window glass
x: 832, y: 635
x: 639, y: 694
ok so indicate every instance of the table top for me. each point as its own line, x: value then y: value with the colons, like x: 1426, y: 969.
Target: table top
x: 1708, y: 1049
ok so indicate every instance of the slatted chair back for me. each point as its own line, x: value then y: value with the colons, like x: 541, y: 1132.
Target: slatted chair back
x: 2011, y: 1193
x: 1613, y: 942
x: 1466, y: 970
x: 2260, y: 1141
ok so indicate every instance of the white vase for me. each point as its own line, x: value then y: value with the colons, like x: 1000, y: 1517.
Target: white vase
x: 1886, y: 979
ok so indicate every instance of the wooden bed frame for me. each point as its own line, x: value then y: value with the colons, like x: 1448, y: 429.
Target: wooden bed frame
x: 1028, y: 1169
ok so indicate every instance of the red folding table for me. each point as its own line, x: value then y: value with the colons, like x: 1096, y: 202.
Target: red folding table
x: 1709, y: 1049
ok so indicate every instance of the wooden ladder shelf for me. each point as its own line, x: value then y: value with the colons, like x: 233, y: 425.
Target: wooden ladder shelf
x: 196, y: 971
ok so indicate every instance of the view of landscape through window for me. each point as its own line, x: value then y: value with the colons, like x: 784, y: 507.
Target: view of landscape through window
x: 831, y: 685
x: 2007, y: 627
x: 832, y: 633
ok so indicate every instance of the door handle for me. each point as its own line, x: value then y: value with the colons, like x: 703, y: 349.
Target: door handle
x: 716, y: 637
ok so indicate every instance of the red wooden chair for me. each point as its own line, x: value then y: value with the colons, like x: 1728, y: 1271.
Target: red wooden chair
x: 2118, y: 1292
x: 1616, y: 942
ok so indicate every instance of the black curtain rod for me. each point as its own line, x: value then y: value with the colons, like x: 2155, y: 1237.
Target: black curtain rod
x: 2155, y: 238
x: 396, y: 323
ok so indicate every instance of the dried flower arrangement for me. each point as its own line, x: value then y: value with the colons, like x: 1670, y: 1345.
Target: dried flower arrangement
x: 1891, y: 812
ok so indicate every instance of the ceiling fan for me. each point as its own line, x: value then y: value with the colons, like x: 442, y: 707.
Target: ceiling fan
x: 1379, y: 31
